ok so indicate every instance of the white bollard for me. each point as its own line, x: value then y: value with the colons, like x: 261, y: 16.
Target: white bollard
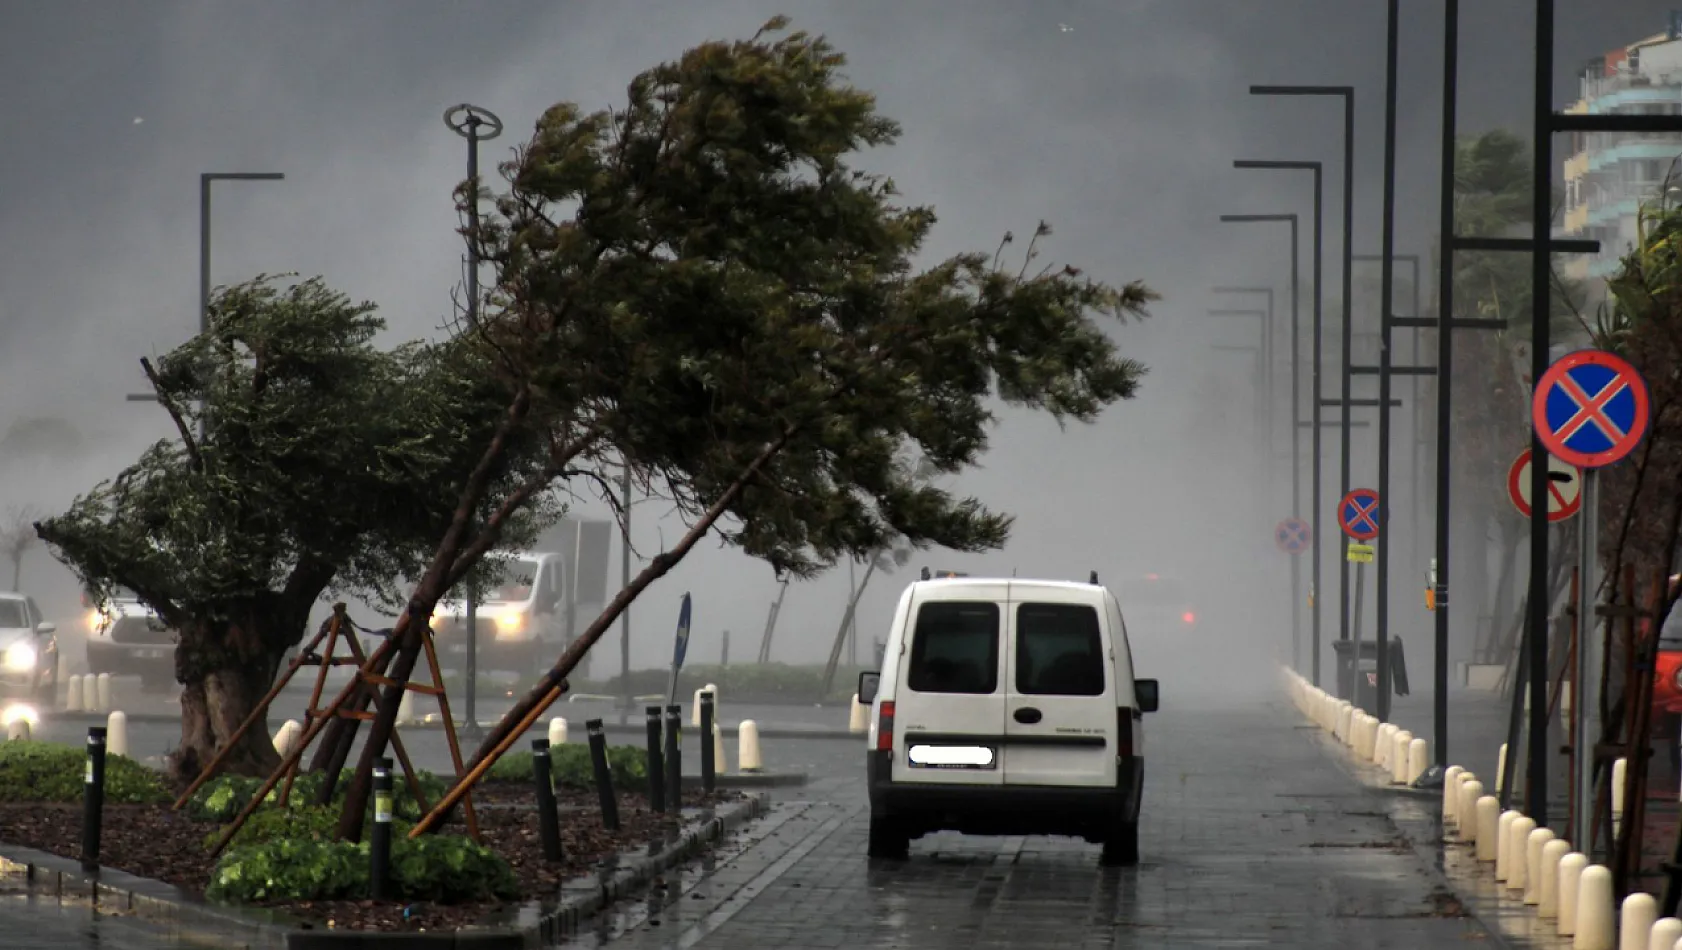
x: 90, y: 693
x: 721, y: 763
x: 1381, y: 747
x: 18, y: 731
x: 1620, y: 770
x: 1503, y: 843
x: 1548, y: 905
x: 1635, y: 924
x: 406, y: 708
x: 557, y: 731
x: 1665, y: 933
x: 116, y: 734
x: 1489, y: 821
x: 1399, y: 756
x: 1533, y: 876
x: 1570, y: 886
x: 1500, y: 768
x: 102, y: 692
x: 287, y: 736
x: 748, y: 758
x: 73, y: 694
x: 1471, y: 792
x: 695, y: 707
x: 1518, y: 842
x: 858, y: 719
x: 1596, y: 928
x: 1419, y: 753
x: 1451, y: 793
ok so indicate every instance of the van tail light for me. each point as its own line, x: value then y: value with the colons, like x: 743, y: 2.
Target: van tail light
x: 1124, y: 732
x: 885, y: 726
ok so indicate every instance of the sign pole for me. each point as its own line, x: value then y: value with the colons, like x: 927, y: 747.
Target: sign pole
x: 1355, y: 618
x: 1587, y: 678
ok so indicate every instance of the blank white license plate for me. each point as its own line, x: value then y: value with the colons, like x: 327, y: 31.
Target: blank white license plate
x: 150, y: 654
x: 951, y: 757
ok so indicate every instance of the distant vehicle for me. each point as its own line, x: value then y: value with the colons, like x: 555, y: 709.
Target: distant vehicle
x: 1667, y: 668
x: 1157, y: 604
x: 126, y: 638
x: 1006, y: 707
x: 521, y: 623
x: 28, y: 650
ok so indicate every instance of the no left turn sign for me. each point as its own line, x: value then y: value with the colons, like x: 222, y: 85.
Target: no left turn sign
x: 1565, y: 487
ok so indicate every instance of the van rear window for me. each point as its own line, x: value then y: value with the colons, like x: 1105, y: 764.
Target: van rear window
x: 1058, y: 650
x: 955, y: 648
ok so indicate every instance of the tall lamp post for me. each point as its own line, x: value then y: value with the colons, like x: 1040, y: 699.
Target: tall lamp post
x: 1347, y: 93
x: 1315, y: 424
x: 476, y: 125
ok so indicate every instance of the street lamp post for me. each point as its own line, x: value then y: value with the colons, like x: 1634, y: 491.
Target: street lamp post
x: 475, y: 125
x: 1314, y: 401
x: 1347, y: 93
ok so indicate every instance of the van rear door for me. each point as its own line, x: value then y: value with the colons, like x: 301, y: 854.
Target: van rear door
x: 949, y: 704
x: 1060, y: 721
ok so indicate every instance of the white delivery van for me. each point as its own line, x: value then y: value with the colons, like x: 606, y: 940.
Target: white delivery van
x: 1006, y: 707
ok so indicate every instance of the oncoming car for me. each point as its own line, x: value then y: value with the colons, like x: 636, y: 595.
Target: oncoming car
x: 519, y: 623
x: 1006, y: 707
x: 28, y: 650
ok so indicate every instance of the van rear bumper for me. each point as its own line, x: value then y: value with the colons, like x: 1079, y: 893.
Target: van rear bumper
x: 1077, y: 811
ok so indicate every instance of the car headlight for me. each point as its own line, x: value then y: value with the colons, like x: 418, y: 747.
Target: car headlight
x: 20, y: 712
x: 510, y: 626
x: 20, y: 657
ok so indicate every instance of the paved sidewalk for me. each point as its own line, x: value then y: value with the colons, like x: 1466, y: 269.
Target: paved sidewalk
x: 1252, y: 836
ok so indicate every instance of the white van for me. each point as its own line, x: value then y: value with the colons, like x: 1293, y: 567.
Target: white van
x: 1006, y: 707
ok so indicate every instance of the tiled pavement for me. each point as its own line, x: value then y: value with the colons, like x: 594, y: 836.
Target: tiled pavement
x: 1252, y: 836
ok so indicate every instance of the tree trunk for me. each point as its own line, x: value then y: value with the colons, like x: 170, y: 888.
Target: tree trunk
x: 225, y: 669
x: 17, y: 570
x: 841, y: 634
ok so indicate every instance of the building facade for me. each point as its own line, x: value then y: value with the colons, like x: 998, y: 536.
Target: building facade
x: 1609, y: 175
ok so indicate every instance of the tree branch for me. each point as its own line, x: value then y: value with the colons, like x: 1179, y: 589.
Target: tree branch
x: 174, y: 414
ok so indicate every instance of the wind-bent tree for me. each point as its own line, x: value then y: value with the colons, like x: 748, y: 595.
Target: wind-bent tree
x: 17, y: 536
x: 307, y: 460
x: 718, y: 294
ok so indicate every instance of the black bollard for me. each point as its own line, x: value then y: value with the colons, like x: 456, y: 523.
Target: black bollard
x: 656, y: 763
x: 674, y: 759
x: 379, y: 839
x: 548, y: 816
x: 604, y: 777
x: 709, y: 767
x: 93, y: 798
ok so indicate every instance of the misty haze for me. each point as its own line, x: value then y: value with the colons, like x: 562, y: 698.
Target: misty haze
x: 936, y: 423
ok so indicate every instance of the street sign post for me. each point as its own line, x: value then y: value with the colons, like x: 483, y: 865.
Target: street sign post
x: 1590, y: 409
x: 1293, y: 536
x: 681, y: 647
x: 1565, y: 487
x: 1358, y: 515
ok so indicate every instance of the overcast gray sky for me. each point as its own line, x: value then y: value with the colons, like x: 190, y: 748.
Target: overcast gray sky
x: 1116, y: 121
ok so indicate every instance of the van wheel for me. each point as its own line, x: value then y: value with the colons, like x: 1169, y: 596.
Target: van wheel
x: 1122, y: 848
x: 888, y: 839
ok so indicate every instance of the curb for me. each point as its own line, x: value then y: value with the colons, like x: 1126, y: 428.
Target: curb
x: 260, y: 929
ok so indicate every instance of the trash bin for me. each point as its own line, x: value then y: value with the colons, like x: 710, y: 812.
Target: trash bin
x: 1357, y: 672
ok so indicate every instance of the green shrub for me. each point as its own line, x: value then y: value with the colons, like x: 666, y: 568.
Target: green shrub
x: 442, y: 869
x: 302, y: 821
x: 222, y: 798
x: 570, y: 765
x: 49, y: 772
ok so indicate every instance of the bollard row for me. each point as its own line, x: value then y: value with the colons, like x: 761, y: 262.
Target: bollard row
x: 1532, y: 865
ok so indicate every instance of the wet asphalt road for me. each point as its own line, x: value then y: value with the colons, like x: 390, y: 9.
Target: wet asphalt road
x: 1252, y: 836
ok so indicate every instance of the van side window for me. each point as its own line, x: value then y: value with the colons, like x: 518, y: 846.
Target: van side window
x: 1058, y: 650
x: 955, y: 648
